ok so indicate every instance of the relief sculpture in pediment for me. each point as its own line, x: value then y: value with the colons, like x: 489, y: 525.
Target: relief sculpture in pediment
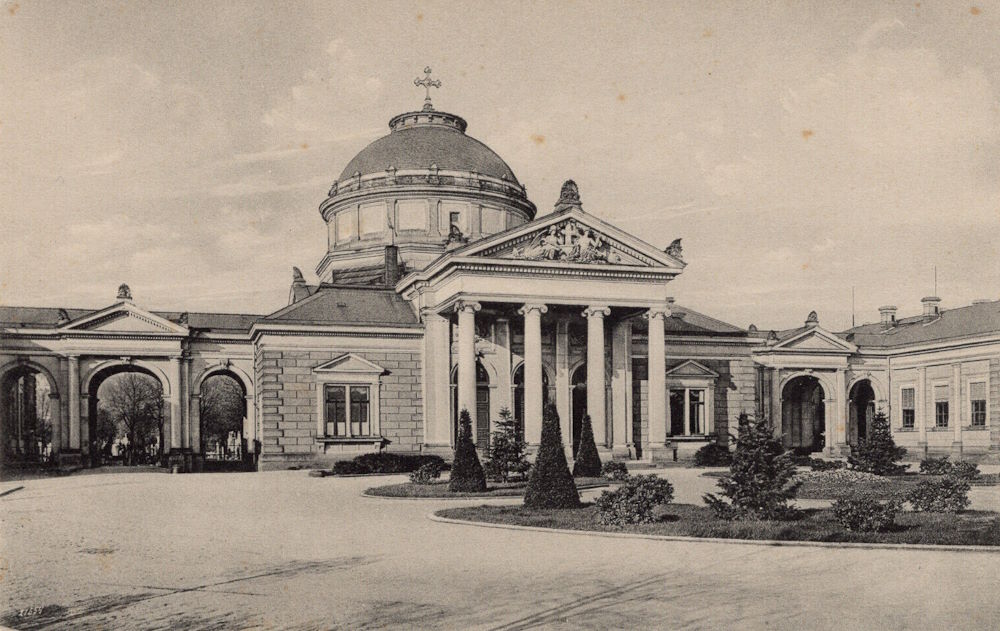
x: 570, y: 242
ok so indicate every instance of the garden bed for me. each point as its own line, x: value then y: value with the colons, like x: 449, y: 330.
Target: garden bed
x: 969, y: 528
x: 494, y: 489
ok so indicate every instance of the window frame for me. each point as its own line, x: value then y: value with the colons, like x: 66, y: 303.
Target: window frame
x: 706, y: 427
x: 974, y: 381
x: 903, y: 409
x: 349, y: 371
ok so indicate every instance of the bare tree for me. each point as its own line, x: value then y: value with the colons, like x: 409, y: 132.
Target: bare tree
x: 134, y: 402
x: 222, y: 410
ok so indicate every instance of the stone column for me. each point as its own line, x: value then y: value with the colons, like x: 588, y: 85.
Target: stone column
x: 504, y: 397
x: 467, y: 358
x: 176, y: 413
x: 55, y: 418
x: 563, y: 402
x: 596, y: 404
x: 829, y: 410
x: 74, y: 402
x: 840, y: 403
x: 186, y: 402
x: 921, y: 408
x: 437, y: 382
x: 194, y: 420
x: 621, y: 389
x: 657, y: 379
x: 533, y: 372
x: 955, y: 408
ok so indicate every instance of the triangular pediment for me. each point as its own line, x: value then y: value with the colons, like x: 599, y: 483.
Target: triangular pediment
x: 124, y: 318
x: 573, y: 237
x: 350, y: 363
x: 691, y: 368
x: 816, y: 340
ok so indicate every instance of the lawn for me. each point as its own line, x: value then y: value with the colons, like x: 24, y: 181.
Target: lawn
x: 968, y: 528
x: 494, y: 489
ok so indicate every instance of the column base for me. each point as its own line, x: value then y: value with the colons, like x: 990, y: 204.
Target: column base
x: 659, y: 453
x: 69, y: 459
x: 176, y: 461
x: 922, y: 450
x: 622, y: 452
x: 956, y: 449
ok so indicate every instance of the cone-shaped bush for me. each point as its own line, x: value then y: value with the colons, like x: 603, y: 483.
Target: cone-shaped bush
x: 550, y: 484
x: 588, y: 463
x: 467, y: 474
x: 878, y: 453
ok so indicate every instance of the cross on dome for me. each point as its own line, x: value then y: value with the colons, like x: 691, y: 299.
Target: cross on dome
x: 427, y: 83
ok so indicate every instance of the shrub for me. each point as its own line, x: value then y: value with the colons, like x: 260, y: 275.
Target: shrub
x: 466, y: 472
x: 349, y: 467
x: 633, y: 502
x: 507, y: 449
x: 936, y: 466
x: 614, y: 470
x: 864, y: 512
x: 947, y: 495
x: 818, y: 464
x: 427, y: 472
x: 759, y: 484
x: 588, y: 463
x: 963, y: 470
x: 713, y: 455
x: 550, y: 484
x: 877, y: 453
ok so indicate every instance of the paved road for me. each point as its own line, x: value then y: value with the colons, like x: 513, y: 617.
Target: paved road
x: 284, y: 551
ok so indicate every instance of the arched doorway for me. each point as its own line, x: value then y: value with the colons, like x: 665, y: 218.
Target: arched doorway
x: 578, y: 388
x: 518, y: 395
x: 481, y: 415
x: 803, y: 414
x: 222, y: 412
x: 28, y: 413
x: 125, y: 421
x: 861, y: 411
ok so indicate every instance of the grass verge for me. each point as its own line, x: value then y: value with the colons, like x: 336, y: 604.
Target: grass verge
x: 494, y: 489
x: 969, y: 528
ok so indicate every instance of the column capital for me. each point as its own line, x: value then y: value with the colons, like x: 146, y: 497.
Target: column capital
x: 596, y: 311
x: 533, y: 306
x: 469, y: 306
x: 661, y: 312
x: 73, y: 358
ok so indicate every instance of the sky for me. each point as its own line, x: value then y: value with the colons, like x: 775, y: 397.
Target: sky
x: 799, y: 149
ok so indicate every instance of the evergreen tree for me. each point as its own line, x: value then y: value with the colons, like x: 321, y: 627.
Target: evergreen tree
x: 466, y: 472
x: 588, y: 463
x: 877, y: 453
x: 551, y: 484
x: 507, y: 450
x: 759, y: 484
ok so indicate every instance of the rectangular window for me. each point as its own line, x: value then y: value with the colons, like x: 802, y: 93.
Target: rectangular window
x: 909, y: 407
x: 359, y: 411
x: 687, y: 404
x: 941, y: 406
x: 977, y: 397
x: 336, y: 411
x: 348, y: 418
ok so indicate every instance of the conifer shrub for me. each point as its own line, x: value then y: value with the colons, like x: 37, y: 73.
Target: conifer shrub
x: 467, y: 474
x: 550, y: 484
x: 713, y: 455
x: 877, y: 453
x: 426, y: 474
x: 588, y: 463
x: 759, y: 484
x: 633, y: 502
x: 614, y: 470
x: 865, y: 512
x: 507, y: 452
x: 947, y: 495
x: 963, y: 470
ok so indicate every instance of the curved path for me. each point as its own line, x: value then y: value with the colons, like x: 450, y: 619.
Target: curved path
x: 285, y: 551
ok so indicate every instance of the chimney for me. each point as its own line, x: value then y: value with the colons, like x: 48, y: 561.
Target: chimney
x: 392, y: 271
x: 932, y: 306
x: 888, y: 313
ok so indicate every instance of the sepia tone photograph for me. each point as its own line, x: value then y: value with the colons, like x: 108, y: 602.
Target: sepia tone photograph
x: 462, y: 315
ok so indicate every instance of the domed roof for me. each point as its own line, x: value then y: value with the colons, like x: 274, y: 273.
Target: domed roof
x: 419, y: 140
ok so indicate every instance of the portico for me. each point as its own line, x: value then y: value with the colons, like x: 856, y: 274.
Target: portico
x: 552, y: 297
